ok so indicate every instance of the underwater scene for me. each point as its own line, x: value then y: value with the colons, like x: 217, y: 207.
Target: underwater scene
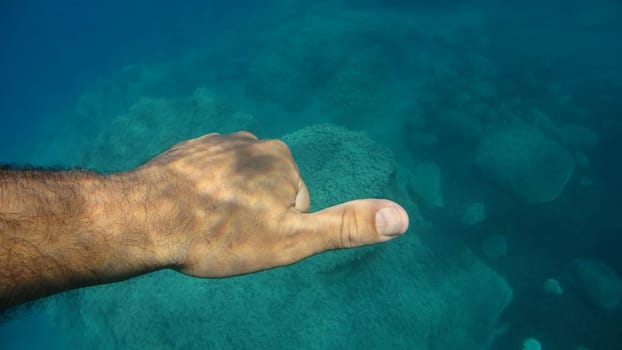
x: 496, y: 124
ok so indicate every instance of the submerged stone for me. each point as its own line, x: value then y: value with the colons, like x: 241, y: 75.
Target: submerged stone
x: 523, y: 161
x: 597, y: 282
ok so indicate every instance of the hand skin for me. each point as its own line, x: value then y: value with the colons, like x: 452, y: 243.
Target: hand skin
x: 214, y: 206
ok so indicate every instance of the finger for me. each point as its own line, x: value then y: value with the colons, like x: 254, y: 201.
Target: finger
x: 350, y: 224
x: 303, y: 201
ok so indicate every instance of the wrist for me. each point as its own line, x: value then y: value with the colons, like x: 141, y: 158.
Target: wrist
x: 130, y: 208
x: 108, y: 229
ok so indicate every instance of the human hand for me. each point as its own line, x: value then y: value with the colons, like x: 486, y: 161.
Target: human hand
x: 224, y: 205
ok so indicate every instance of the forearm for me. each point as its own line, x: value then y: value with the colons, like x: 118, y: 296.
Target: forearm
x: 63, y: 230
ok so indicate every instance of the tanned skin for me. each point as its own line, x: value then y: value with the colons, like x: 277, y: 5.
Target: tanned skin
x: 214, y: 206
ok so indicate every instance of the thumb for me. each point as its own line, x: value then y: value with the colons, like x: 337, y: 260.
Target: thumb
x: 354, y: 224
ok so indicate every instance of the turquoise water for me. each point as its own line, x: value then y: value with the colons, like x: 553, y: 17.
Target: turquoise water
x: 497, y: 125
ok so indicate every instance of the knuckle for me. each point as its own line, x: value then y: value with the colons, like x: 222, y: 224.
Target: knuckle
x: 350, y: 233
x: 245, y: 134
x: 277, y: 144
x: 201, y: 139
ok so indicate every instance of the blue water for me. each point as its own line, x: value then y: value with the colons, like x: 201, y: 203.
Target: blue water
x: 429, y: 83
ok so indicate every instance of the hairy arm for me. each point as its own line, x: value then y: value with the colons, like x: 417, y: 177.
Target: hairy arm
x: 63, y: 230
